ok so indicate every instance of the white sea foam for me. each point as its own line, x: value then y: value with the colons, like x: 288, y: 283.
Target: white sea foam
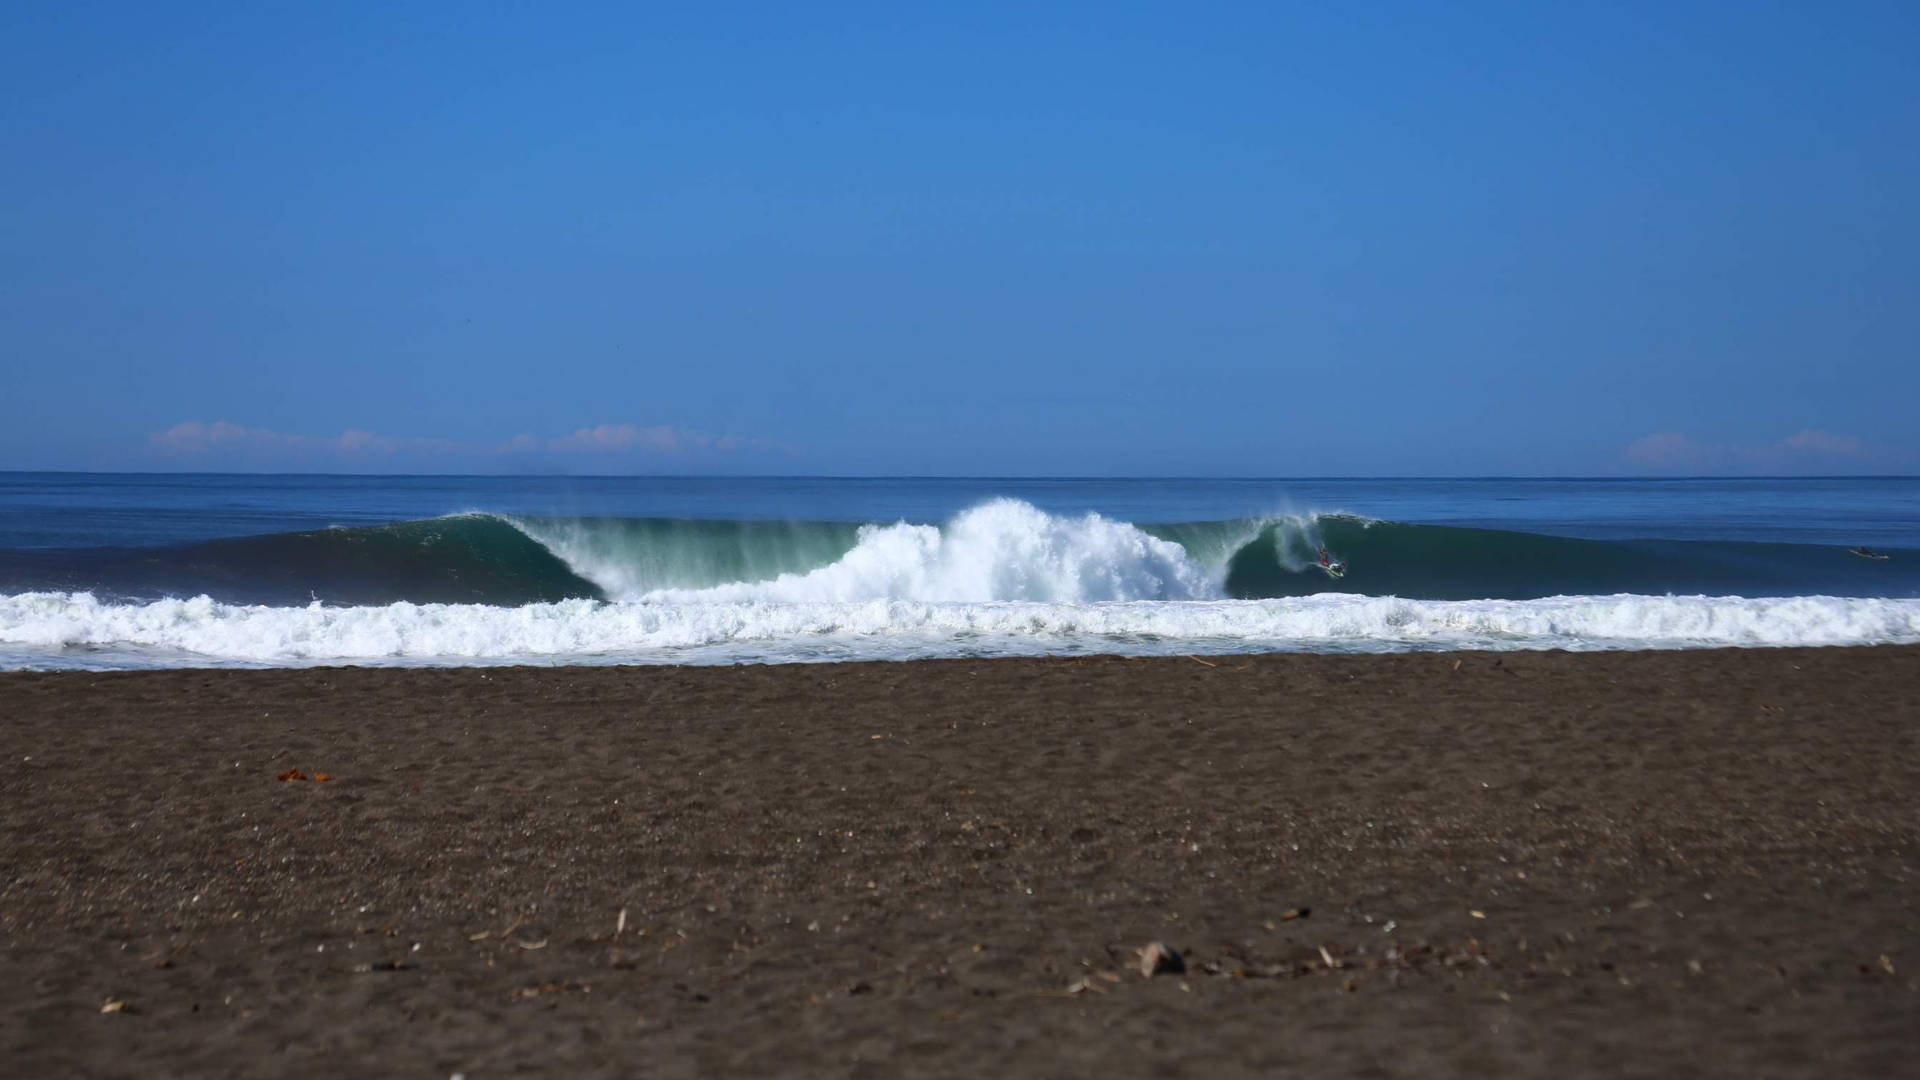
x: 1003, y: 549
x: 76, y: 629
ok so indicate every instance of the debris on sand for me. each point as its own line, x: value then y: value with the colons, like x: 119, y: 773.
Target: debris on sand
x: 570, y: 986
x: 1157, y: 959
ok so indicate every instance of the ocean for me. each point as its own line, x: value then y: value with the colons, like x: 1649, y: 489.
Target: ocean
x: 103, y: 571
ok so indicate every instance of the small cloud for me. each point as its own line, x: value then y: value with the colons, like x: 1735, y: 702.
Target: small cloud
x: 1667, y: 449
x: 223, y: 442
x: 353, y: 440
x: 1809, y: 449
x: 1821, y: 443
x: 614, y: 437
x: 196, y: 437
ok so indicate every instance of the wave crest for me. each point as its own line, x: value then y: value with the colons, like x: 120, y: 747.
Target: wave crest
x: 1003, y: 550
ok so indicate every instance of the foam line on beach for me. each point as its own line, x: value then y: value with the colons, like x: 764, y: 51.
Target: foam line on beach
x: 40, y: 629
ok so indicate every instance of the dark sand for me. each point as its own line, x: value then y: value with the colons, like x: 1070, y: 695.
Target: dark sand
x: 1635, y: 864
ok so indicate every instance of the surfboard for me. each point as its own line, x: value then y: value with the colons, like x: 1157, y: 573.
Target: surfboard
x: 1865, y: 554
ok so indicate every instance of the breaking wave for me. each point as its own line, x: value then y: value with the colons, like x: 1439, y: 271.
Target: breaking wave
x: 1000, y: 550
x: 1003, y: 577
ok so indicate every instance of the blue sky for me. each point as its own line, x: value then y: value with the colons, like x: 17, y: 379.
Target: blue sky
x: 1009, y: 239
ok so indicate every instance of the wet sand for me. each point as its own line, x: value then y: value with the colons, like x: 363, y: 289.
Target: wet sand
x: 1631, y: 864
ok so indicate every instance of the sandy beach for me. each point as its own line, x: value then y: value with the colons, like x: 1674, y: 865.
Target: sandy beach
x: 1625, y: 864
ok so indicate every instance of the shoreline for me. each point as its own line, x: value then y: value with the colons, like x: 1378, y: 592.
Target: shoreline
x: 1660, y: 862
x: 727, y: 631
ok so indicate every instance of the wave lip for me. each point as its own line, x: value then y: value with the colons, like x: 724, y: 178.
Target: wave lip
x: 38, y: 629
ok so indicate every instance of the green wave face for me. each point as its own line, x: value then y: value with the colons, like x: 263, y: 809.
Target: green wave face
x: 465, y: 559
x: 1431, y: 562
x: 635, y: 556
x: 468, y: 559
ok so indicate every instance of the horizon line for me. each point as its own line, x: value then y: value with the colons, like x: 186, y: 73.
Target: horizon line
x: 952, y: 476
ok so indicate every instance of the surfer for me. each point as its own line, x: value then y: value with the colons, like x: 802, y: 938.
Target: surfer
x: 1333, y: 566
x: 1863, y: 552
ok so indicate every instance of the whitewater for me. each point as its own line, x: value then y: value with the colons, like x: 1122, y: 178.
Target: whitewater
x: 1005, y: 550
x: 1003, y: 578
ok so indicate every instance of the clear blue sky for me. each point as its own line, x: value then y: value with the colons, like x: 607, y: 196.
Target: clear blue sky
x: 1000, y: 238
